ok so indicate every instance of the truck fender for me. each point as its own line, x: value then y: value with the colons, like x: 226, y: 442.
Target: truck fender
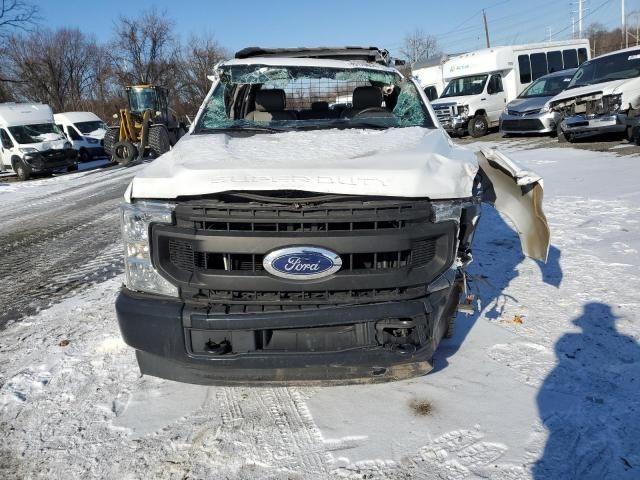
x: 517, y: 194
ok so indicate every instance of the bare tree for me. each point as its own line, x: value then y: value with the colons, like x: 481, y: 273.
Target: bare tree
x: 57, y: 68
x: 16, y: 14
x: 198, y: 59
x: 145, y: 50
x: 418, y: 45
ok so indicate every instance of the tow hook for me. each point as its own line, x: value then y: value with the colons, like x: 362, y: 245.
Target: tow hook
x: 217, y: 348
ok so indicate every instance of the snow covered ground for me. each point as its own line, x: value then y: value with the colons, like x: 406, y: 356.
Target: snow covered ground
x: 543, y: 383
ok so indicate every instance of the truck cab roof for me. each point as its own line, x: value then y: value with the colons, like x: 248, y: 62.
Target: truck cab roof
x: 363, y: 54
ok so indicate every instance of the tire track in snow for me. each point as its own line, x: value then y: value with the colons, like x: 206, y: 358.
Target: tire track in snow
x: 59, y: 240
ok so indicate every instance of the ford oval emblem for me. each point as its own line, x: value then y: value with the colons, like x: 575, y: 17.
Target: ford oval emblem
x: 302, y: 263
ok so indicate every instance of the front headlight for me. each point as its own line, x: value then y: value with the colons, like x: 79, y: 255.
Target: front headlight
x: 28, y: 150
x: 463, y: 111
x: 612, y: 103
x: 545, y: 109
x: 91, y: 140
x: 139, y: 272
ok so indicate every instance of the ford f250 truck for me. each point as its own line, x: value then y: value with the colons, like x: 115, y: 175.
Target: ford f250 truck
x: 288, y: 237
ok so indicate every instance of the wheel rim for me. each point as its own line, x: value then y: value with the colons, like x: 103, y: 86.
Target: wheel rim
x: 479, y: 125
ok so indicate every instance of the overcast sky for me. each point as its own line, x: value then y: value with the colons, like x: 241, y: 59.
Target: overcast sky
x: 236, y: 24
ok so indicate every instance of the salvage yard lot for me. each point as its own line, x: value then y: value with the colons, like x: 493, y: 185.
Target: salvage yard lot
x: 544, y: 382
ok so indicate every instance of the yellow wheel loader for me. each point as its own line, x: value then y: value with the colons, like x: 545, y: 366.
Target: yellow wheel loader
x: 146, y: 128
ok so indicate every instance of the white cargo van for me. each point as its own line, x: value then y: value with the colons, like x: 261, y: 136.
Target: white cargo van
x: 31, y: 143
x: 481, y: 83
x: 85, y: 131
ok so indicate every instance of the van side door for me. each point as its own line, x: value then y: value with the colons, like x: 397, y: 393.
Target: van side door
x: 6, y: 148
x: 496, y: 98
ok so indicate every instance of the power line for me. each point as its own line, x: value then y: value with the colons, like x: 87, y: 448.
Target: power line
x: 583, y: 17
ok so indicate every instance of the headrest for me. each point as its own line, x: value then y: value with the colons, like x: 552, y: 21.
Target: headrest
x: 366, y: 97
x: 319, y: 106
x: 272, y: 100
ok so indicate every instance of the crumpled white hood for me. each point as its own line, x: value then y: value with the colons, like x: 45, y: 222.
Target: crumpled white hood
x: 407, y: 162
x: 606, y: 88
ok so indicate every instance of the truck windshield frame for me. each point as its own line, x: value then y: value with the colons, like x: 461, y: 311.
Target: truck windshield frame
x: 28, y: 134
x: 618, y: 66
x: 311, y: 98
x: 471, y: 85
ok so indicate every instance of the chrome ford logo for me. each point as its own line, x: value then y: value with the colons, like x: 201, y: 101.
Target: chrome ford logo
x: 304, y: 263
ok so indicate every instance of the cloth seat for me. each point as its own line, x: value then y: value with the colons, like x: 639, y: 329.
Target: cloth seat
x: 367, y: 97
x: 270, y: 105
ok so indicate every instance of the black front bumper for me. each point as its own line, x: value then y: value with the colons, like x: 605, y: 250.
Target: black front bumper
x: 50, y: 160
x: 333, y: 345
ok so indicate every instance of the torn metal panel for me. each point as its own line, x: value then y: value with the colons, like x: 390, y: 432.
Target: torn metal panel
x: 517, y: 194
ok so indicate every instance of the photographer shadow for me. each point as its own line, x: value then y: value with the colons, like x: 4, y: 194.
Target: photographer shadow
x: 594, y: 428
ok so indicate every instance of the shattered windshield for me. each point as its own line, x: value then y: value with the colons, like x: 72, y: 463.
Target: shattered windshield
x: 259, y: 98
x: 41, y: 132
x: 619, y: 66
x: 459, y: 87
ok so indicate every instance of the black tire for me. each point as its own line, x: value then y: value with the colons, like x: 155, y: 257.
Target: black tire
x: 478, y: 126
x: 159, y: 141
x: 72, y: 168
x: 22, y: 170
x: 111, y: 137
x: 124, y: 152
x: 560, y: 134
x: 83, y: 155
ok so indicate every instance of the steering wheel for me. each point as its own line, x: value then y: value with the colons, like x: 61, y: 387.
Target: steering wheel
x: 371, y: 109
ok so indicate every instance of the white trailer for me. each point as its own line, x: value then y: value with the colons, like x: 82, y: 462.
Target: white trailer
x: 481, y: 83
x: 30, y: 142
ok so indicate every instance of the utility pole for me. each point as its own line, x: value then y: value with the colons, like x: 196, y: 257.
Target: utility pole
x: 625, y: 39
x: 486, y: 28
x: 573, y: 27
x: 580, y: 2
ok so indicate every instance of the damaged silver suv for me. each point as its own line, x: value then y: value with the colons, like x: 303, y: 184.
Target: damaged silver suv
x: 314, y: 225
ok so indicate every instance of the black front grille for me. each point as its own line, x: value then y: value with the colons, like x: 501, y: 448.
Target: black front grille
x: 390, y: 249
x: 183, y: 256
x: 523, y: 125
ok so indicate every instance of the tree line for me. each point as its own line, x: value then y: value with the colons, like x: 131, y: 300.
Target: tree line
x: 70, y: 70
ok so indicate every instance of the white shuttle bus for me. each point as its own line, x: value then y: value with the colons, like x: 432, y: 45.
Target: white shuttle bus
x: 31, y: 143
x: 481, y: 83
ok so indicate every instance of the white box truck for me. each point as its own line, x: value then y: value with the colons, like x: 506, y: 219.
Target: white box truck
x: 30, y: 141
x: 481, y: 83
x: 85, y: 131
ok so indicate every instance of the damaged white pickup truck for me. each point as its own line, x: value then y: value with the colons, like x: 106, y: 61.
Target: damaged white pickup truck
x: 602, y: 97
x: 314, y: 225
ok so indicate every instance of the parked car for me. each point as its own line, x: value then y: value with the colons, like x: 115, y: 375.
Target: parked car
x: 530, y: 111
x: 602, y: 97
x: 85, y: 131
x: 30, y: 142
x: 283, y: 241
x: 481, y: 83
